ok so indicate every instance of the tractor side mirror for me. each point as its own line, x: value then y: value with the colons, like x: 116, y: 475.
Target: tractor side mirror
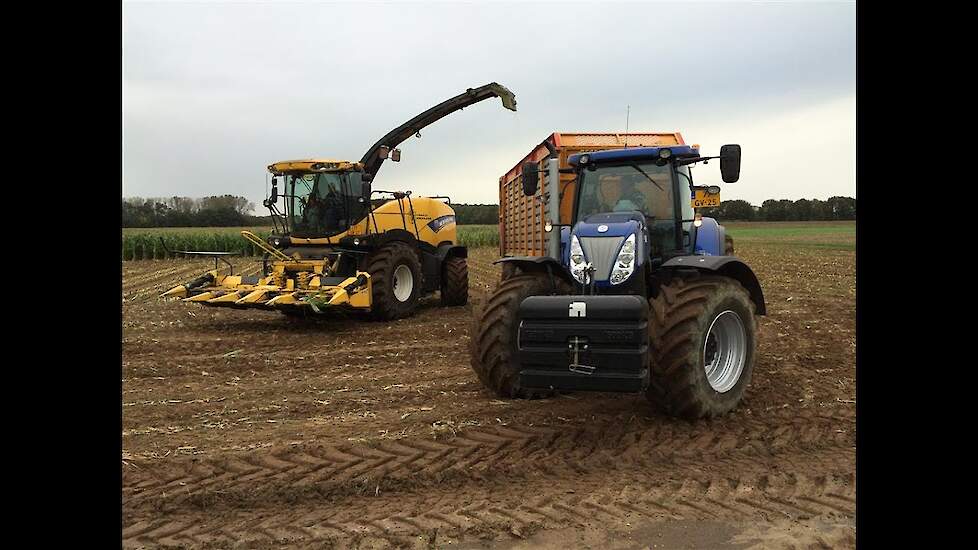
x: 730, y: 163
x: 274, y: 198
x: 383, y: 151
x: 531, y: 178
x: 396, y: 155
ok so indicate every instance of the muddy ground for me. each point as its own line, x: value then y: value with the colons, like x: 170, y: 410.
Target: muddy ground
x: 244, y: 429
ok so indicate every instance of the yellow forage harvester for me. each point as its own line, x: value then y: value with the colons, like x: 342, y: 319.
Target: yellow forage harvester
x: 338, y: 242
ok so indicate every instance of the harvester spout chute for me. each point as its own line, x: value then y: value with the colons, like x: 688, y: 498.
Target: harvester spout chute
x: 372, y: 160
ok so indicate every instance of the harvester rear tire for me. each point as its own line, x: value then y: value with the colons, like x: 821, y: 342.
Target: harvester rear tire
x: 681, y: 318
x: 728, y: 249
x: 455, y: 282
x: 493, y: 353
x: 382, y: 264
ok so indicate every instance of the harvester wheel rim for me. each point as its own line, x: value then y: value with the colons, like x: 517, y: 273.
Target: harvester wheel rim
x: 403, y: 283
x: 725, y: 351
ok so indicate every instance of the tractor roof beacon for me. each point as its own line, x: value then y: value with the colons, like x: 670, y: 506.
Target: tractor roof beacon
x: 629, y: 289
x: 338, y: 242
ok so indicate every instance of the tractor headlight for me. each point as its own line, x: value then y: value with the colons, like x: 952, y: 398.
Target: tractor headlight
x: 578, y: 264
x: 625, y: 264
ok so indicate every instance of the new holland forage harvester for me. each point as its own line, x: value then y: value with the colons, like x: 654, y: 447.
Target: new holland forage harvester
x: 335, y: 244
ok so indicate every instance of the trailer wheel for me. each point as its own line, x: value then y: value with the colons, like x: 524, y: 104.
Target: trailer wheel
x: 395, y: 277
x: 703, y: 342
x: 455, y: 282
x: 493, y: 352
x: 728, y: 249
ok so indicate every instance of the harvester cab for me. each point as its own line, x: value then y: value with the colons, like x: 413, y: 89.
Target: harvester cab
x: 337, y: 241
x: 637, y: 293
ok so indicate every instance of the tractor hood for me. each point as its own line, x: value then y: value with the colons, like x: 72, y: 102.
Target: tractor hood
x: 612, y: 224
x: 601, y: 237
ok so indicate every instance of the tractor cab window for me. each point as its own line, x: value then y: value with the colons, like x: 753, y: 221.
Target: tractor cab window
x: 320, y: 204
x: 638, y: 186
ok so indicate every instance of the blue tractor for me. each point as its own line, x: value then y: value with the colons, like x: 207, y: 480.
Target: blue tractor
x: 638, y: 294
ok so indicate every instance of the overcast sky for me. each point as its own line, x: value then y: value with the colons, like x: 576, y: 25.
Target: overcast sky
x: 214, y: 92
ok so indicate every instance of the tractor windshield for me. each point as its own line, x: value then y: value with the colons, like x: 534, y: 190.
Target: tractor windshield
x: 630, y: 187
x: 324, y: 204
x: 646, y: 188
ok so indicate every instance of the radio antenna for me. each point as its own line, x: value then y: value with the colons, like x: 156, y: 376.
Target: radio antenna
x: 628, y: 110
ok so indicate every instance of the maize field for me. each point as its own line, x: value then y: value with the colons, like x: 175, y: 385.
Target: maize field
x: 144, y: 243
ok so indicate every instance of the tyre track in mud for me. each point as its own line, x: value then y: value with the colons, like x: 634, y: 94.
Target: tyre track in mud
x: 475, y: 454
x: 783, y: 460
x: 673, y: 490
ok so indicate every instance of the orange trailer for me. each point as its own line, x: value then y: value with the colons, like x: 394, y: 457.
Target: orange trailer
x: 522, y: 219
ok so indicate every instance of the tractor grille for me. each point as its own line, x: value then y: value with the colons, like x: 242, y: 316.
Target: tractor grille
x: 602, y: 253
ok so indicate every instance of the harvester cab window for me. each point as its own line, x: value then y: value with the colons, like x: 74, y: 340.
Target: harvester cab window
x: 319, y: 204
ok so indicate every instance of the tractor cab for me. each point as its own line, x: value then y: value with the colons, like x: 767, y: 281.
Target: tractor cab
x: 323, y: 198
x: 635, y: 206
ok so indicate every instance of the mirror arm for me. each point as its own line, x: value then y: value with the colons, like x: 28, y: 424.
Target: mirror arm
x: 684, y: 162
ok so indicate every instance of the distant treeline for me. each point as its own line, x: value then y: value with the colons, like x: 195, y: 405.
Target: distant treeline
x: 233, y: 211
x: 802, y: 210
x: 223, y: 211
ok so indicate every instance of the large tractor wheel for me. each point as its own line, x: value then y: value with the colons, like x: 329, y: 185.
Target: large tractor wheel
x: 703, y: 342
x: 454, y: 282
x: 508, y: 271
x: 395, y: 277
x: 494, y: 356
x: 728, y: 249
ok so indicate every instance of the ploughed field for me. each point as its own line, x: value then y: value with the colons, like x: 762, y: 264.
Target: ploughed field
x: 246, y: 429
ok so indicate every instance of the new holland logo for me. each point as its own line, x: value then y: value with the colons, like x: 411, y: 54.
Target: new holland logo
x: 602, y: 228
x: 577, y: 309
x: 437, y: 224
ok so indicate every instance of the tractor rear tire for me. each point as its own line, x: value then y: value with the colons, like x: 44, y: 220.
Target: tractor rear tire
x: 493, y: 353
x: 728, y: 249
x: 395, y: 278
x: 686, y: 319
x: 454, y: 282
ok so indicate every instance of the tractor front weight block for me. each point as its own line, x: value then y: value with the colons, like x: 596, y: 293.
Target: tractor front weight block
x: 591, y: 343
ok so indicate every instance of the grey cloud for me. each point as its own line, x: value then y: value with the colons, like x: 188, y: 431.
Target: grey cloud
x: 212, y: 93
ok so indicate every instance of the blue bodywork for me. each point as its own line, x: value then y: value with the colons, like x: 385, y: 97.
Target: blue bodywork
x: 620, y: 224
x: 634, y: 153
x: 709, y: 238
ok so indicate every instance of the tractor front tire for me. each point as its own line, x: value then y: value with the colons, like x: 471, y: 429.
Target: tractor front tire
x: 508, y: 271
x: 454, y: 282
x: 703, y: 339
x: 395, y: 278
x: 493, y: 353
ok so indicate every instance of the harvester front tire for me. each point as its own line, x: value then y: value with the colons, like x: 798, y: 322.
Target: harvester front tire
x: 728, y: 249
x: 682, y: 316
x: 382, y: 265
x: 493, y: 353
x: 455, y: 282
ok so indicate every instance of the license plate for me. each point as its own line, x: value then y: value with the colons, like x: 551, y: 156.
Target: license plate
x: 702, y: 199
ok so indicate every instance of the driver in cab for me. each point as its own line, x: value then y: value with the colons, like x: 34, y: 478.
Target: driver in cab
x: 325, y: 211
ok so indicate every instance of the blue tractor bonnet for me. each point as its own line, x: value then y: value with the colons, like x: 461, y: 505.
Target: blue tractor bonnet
x: 634, y: 153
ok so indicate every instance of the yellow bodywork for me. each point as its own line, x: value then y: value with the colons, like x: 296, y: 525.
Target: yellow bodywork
x: 313, y: 165
x: 296, y: 283
x: 290, y: 285
x: 435, y: 222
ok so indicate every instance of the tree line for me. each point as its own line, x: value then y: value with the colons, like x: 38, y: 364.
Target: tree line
x: 214, y: 211
x: 234, y: 211
x: 771, y: 210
